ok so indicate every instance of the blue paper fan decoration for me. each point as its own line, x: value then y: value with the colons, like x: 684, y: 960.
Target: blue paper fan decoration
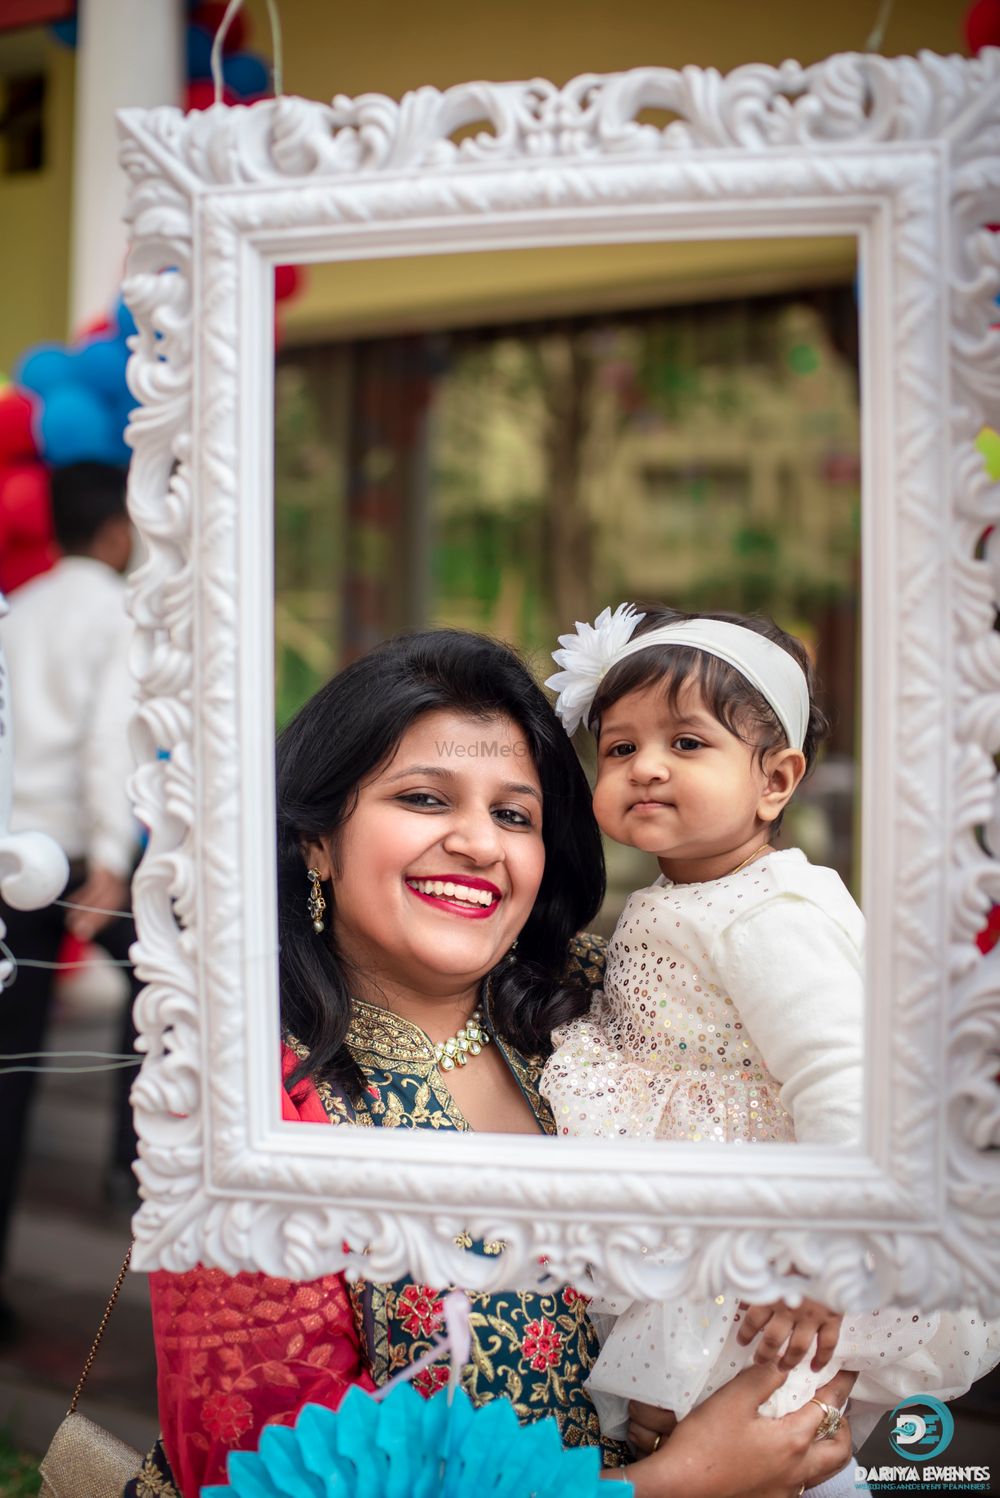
x: 405, y: 1446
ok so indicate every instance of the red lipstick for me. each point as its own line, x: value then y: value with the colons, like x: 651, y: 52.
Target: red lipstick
x: 453, y: 903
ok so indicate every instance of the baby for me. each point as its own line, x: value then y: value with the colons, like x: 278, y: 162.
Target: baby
x: 734, y: 994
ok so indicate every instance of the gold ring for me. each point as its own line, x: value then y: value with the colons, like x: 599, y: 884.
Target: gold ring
x: 830, y: 1423
x: 656, y: 1443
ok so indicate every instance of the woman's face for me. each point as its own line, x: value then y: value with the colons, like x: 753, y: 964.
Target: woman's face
x: 438, y: 867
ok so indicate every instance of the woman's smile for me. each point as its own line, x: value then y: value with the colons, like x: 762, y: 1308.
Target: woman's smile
x: 475, y: 898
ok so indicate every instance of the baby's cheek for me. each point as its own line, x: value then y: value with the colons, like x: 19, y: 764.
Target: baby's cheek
x: 607, y: 802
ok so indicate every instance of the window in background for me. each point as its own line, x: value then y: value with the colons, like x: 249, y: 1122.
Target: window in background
x: 22, y: 123
x: 518, y: 478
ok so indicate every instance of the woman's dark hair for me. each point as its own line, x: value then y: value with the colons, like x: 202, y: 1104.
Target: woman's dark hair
x: 725, y: 691
x: 339, y: 740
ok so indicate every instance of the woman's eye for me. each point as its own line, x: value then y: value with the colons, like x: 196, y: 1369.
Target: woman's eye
x: 687, y: 742
x: 511, y: 817
x: 421, y: 799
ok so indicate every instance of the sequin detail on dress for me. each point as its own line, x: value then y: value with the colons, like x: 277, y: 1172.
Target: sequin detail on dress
x: 664, y: 1053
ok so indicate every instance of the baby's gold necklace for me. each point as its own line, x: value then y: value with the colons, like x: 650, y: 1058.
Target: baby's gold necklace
x: 764, y: 848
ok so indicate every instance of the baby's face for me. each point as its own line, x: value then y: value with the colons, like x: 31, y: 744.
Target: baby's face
x: 676, y: 782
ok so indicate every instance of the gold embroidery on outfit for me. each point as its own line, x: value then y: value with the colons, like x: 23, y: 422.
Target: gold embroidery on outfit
x: 536, y: 1349
x: 151, y: 1483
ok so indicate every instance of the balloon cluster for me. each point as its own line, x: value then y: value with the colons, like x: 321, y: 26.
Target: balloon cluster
x: 70, y: 404
x: 67, y: 405
x: 27, y: 545
x: 83, y: 401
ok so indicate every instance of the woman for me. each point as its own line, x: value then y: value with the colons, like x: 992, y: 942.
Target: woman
x: 436, y: 856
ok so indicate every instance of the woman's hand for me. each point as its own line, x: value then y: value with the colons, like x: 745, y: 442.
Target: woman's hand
x: 648, y: 1427
x: 726, y: 1449
x: 778, y: 1324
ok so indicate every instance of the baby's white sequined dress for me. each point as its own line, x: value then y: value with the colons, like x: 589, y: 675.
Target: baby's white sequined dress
x: 733, y: 1011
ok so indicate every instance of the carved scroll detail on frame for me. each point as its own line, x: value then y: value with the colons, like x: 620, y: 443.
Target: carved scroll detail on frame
x: 904, y: 152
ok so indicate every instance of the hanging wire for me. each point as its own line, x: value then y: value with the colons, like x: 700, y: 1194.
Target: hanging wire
x: 129, y: 1056
x: 68, y: 967
x: 91, y: 909
x: 877, y: 33
x: 70, y: 1071
x: 232, y: 11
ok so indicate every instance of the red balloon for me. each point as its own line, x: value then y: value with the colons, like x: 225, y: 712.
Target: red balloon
x: 25, y: 503
x: 288, y: 280
x: 201, y: 95
x: 96, y: 329
x: 18, y: 565
x: 16, y: 439
x: 210, y: 16
x: 982, y: 25
x: 990, y: 934
x: 29, y: 546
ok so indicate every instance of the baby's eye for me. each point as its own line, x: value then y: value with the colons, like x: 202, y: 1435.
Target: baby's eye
x: 687, y: 742
x: 621, y: 751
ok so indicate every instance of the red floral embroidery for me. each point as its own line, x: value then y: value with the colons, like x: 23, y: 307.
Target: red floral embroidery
x: 226, y: 1416
x: 420, y: 1311
x: 541, y: 1345
x: 571, y: 1296
x: 432, y: 1379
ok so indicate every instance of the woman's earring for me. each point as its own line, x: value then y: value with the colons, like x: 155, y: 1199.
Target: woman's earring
x: 512, y: 953
x: 315, y: 904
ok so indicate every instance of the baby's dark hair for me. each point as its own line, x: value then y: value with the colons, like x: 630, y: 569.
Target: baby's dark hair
x: 725, y: 692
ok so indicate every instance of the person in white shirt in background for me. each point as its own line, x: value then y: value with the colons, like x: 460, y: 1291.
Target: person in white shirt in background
x: 67, y: 640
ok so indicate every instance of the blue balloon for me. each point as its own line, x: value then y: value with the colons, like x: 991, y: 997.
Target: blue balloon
x: 77, y: 427
x: 124, y: 319
x: 199, y: 53
x: 100, y: 365
x: 246, y: 74
x: 44, y: 368
x: 118, y: 452
x: 119, y: 416
x: 65, y: 31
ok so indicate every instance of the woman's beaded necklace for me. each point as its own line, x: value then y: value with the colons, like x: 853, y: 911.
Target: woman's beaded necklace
x: 466, y: 1042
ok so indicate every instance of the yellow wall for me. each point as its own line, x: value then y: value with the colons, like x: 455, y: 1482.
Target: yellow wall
x: 367, y: 297
x: 388, y: 46
x: 35, y: 210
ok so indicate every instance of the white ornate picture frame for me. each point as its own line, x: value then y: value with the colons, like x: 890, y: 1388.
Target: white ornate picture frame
x: 904, y: 154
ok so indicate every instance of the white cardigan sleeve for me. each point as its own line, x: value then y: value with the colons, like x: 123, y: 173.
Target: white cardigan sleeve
x: 797, y: 980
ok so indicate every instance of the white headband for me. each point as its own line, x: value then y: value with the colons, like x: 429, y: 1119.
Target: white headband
x: 589, y: 654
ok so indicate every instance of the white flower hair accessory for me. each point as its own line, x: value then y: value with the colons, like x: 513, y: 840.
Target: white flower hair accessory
x: 590, y: 653
x: 586, y: 658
